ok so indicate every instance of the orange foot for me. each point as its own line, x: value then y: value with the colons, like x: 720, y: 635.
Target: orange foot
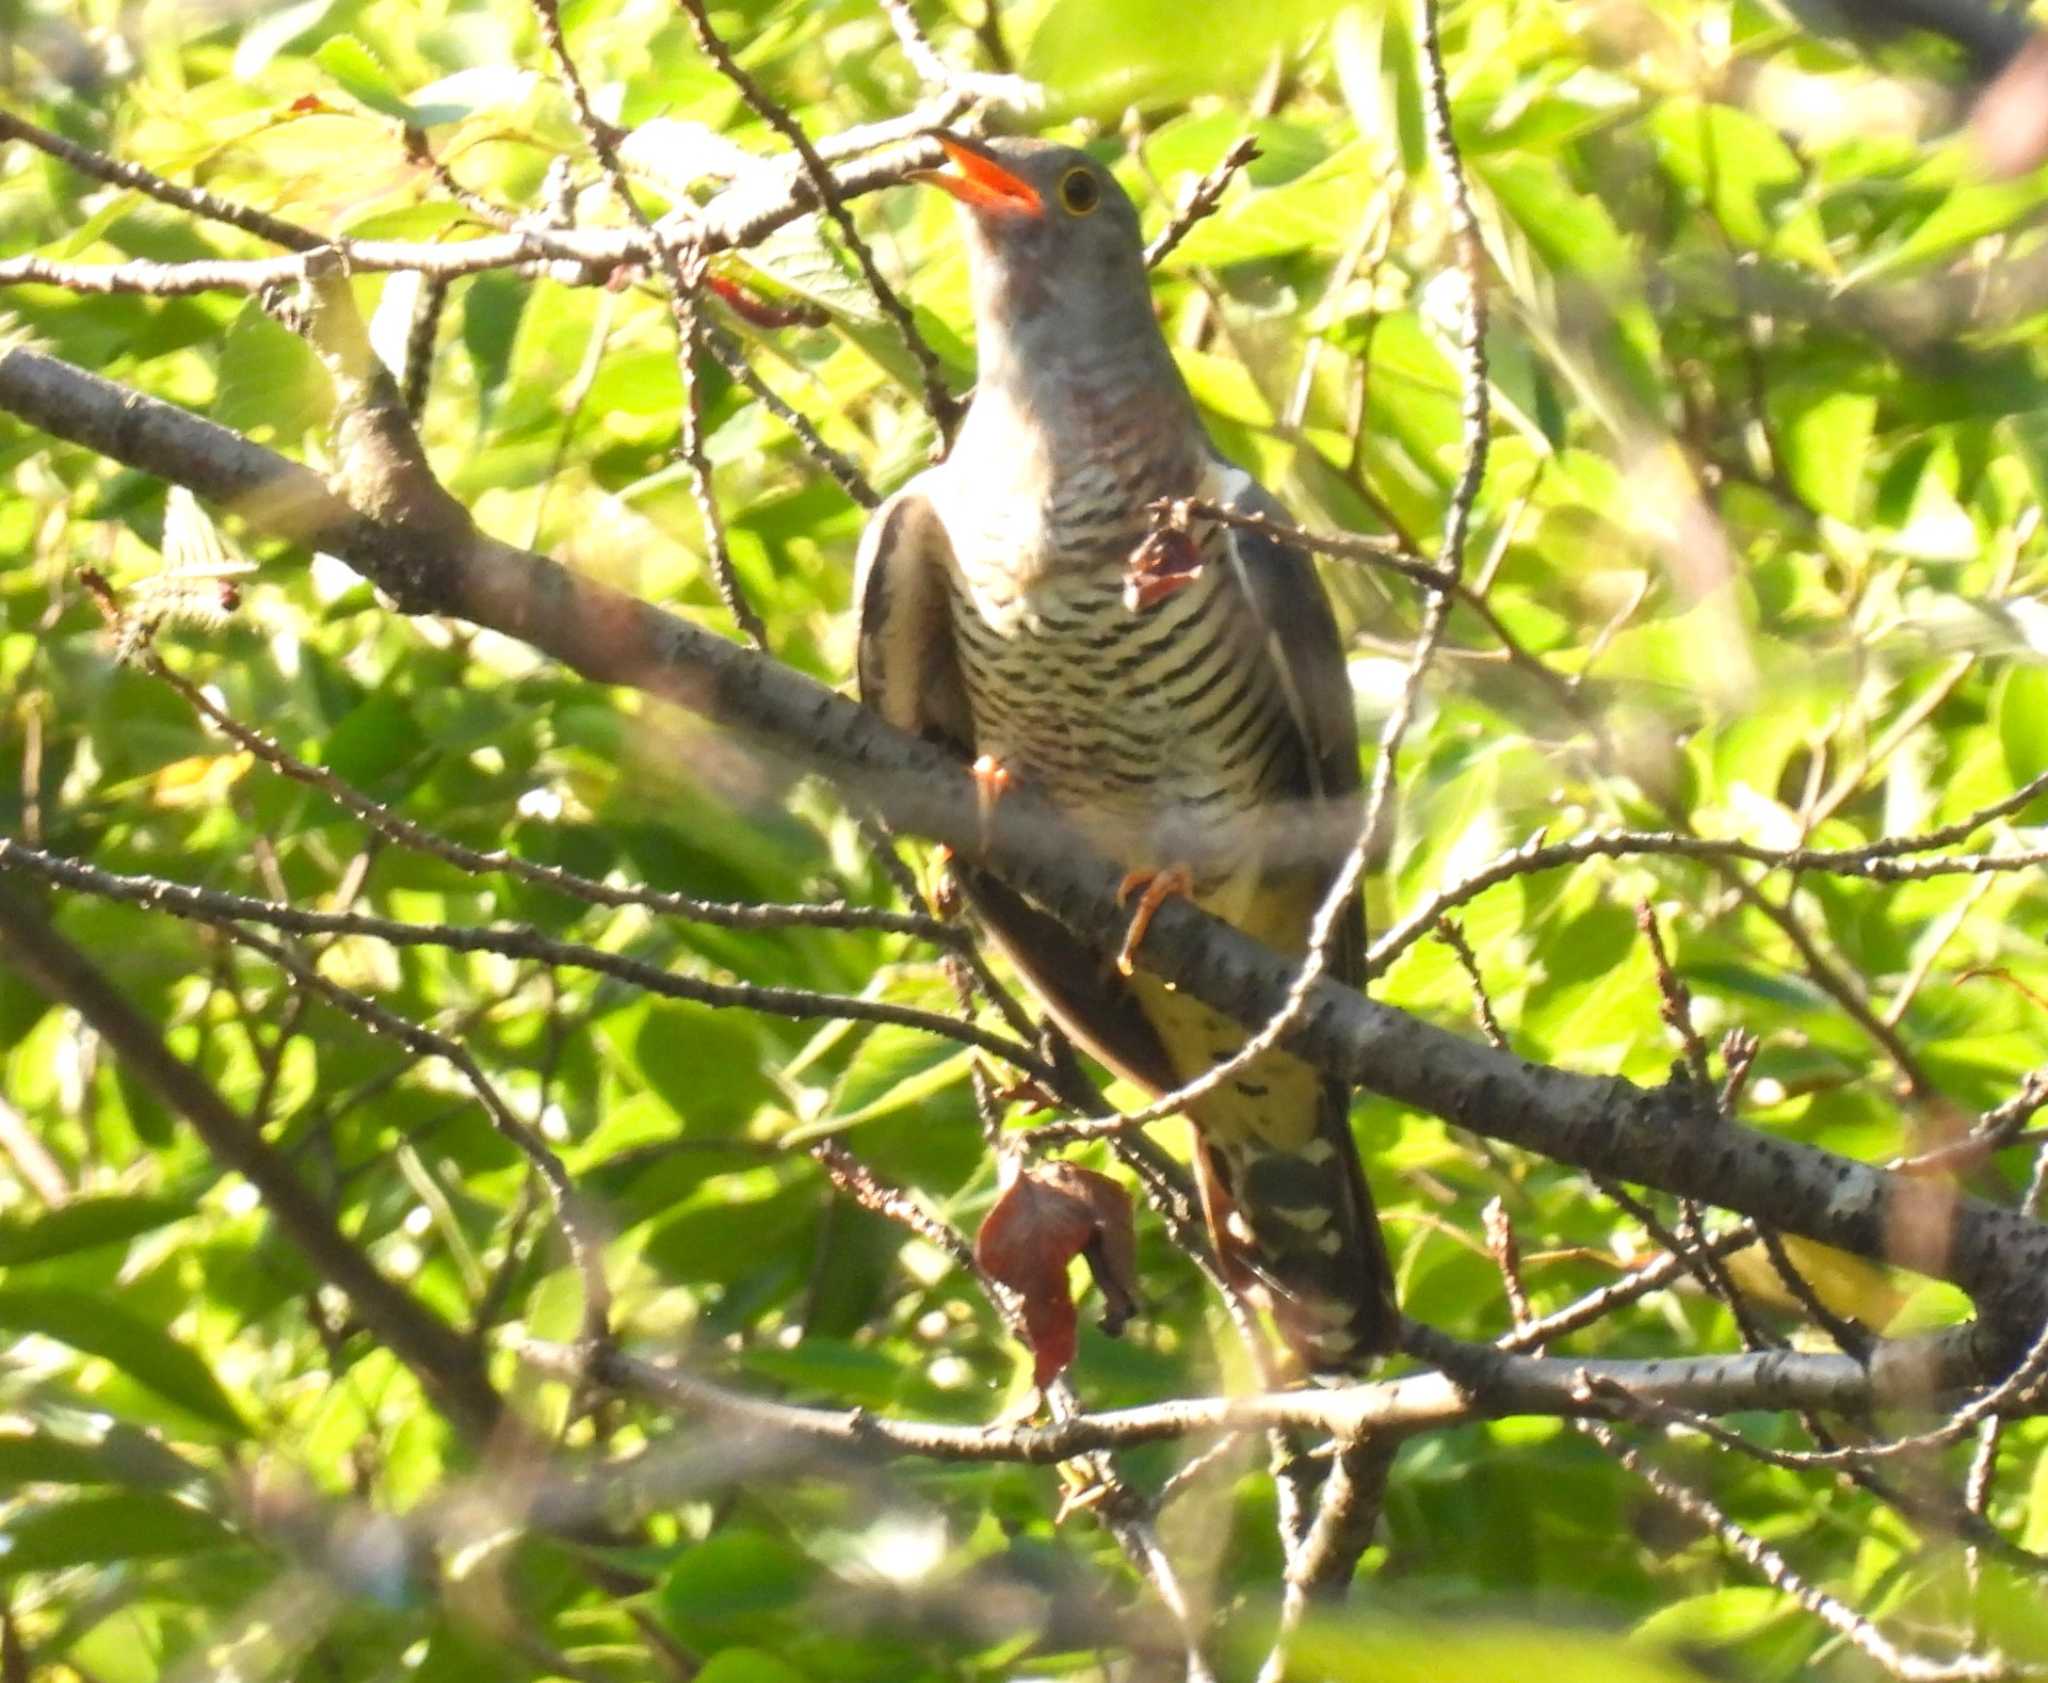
x: 1025, y: 1089
x: 991, y: 783
x: 1154, y: 889
x: 944, y: 894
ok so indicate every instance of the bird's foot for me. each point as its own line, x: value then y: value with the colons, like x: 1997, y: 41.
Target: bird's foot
x: 944, y: 893
x: 1154, y: 889
x: 991, y: 783
x: 1168, y: 560
x: 1022, y: 1089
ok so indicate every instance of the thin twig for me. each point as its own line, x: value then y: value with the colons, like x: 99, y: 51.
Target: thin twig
x: 1878, y: 862
x: 1836, y: 1614
x: 1203, y: 200
x: 119, y: 173
x: 216, y: 906
x: 574, y: 1218
x: 724, y: 914
x: 939, y: 402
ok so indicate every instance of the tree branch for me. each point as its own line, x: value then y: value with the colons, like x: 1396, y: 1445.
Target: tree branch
x: 1475, y: 1383
x: 447, y: 1365
x: 1668, y: 1138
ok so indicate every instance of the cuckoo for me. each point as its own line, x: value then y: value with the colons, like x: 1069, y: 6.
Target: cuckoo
x: 1190, y: 715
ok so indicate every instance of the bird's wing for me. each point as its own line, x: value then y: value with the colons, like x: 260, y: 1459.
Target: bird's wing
x: 1299, y: 635
x: 909, y: 674
x: 1335, y: 1298
x: 904, y: 658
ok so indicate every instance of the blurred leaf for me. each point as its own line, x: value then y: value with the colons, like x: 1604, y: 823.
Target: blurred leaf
x: 271, y: 34
x: 82, y: 1225
x: 1398, y: 1651
x: 1714, y: 1619
x: 1102, y: 58
x: 748, y: 1665
x: 271, y: 385
x: 1826, y: 439
x: 362, y: 76
x: 1964, y: 214
x: 139, y: 1349
x: 101, y: 1530
x: 2021, y: 708
x: 736, y: 1574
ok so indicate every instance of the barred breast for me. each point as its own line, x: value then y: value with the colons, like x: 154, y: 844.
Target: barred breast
x: 1163, y: 734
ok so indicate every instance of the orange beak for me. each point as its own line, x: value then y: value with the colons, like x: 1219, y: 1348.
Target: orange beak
x: 979, y: 182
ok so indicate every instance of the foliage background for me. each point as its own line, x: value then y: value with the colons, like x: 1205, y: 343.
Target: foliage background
x: 1761, y: 517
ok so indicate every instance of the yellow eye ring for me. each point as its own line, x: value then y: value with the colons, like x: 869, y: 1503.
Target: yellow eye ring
x: 1080, y: 193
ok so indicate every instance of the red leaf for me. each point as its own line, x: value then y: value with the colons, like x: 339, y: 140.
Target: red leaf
x: 752, y: 307
x: 1046, y: 1216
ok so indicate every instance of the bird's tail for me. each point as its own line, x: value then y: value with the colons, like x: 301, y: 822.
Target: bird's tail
x: 1299, y: 1222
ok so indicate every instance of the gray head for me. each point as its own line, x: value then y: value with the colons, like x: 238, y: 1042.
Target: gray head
x: 1057, y: 257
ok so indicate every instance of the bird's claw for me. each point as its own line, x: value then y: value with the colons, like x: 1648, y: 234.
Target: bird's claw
x: 944, y: 893
x: 1154, y: 889
x: 991, y: 783
x: 1023, y: 1089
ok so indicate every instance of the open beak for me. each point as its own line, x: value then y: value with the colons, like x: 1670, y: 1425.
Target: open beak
x: 979, y: 182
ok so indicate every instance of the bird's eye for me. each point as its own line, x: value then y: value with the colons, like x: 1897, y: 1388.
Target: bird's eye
x: 1078, y: 190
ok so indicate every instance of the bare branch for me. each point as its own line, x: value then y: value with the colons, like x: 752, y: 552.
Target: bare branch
x: 1013, y: 92
x: 571, y: 1215
x: 1772, y: 1566
x: 216, y: 906
x: 939, y: 402
x: 118, y: 173
x: 723, y: 914
x: 743, y: 214
x: 1478, y: 1383
x: 1203, y: 200
x: 1656, y: 1138
x: 1879, y: 861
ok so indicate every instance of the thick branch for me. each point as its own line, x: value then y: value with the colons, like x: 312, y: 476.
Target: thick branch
x: 1669, y: 1138
x: 743, y: 214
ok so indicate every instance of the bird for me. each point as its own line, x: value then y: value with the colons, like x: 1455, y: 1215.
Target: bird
x: 1188, y: 711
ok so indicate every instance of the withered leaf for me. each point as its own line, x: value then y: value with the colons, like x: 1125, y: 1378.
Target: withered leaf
x: 1046, y: 1215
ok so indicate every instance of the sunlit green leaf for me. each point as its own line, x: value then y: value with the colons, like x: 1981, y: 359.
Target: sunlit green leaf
x: 101, y: 1530
x: 134, y: 1345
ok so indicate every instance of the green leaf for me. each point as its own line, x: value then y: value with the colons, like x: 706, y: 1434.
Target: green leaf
x: 1733, y: 162
x: 363, y: 76
x: 2035, y: 1536
x: 2021, y: 709
x: 894, y: 1067
x: 271, y: 384
x: 1825, y: 437
x: 1397, y: 1650
x: 144, y: 1352
x: 749, y: 1665
x: 1966, y: 214
x: 1101, y: 58
x: 1714, y: 1619
x: 34, y: 1458
x: 101, y: 1530
x: 1320, y: 208
x: 111, y: 1454
x: 84, y: 1224
x: 735, y: 1573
